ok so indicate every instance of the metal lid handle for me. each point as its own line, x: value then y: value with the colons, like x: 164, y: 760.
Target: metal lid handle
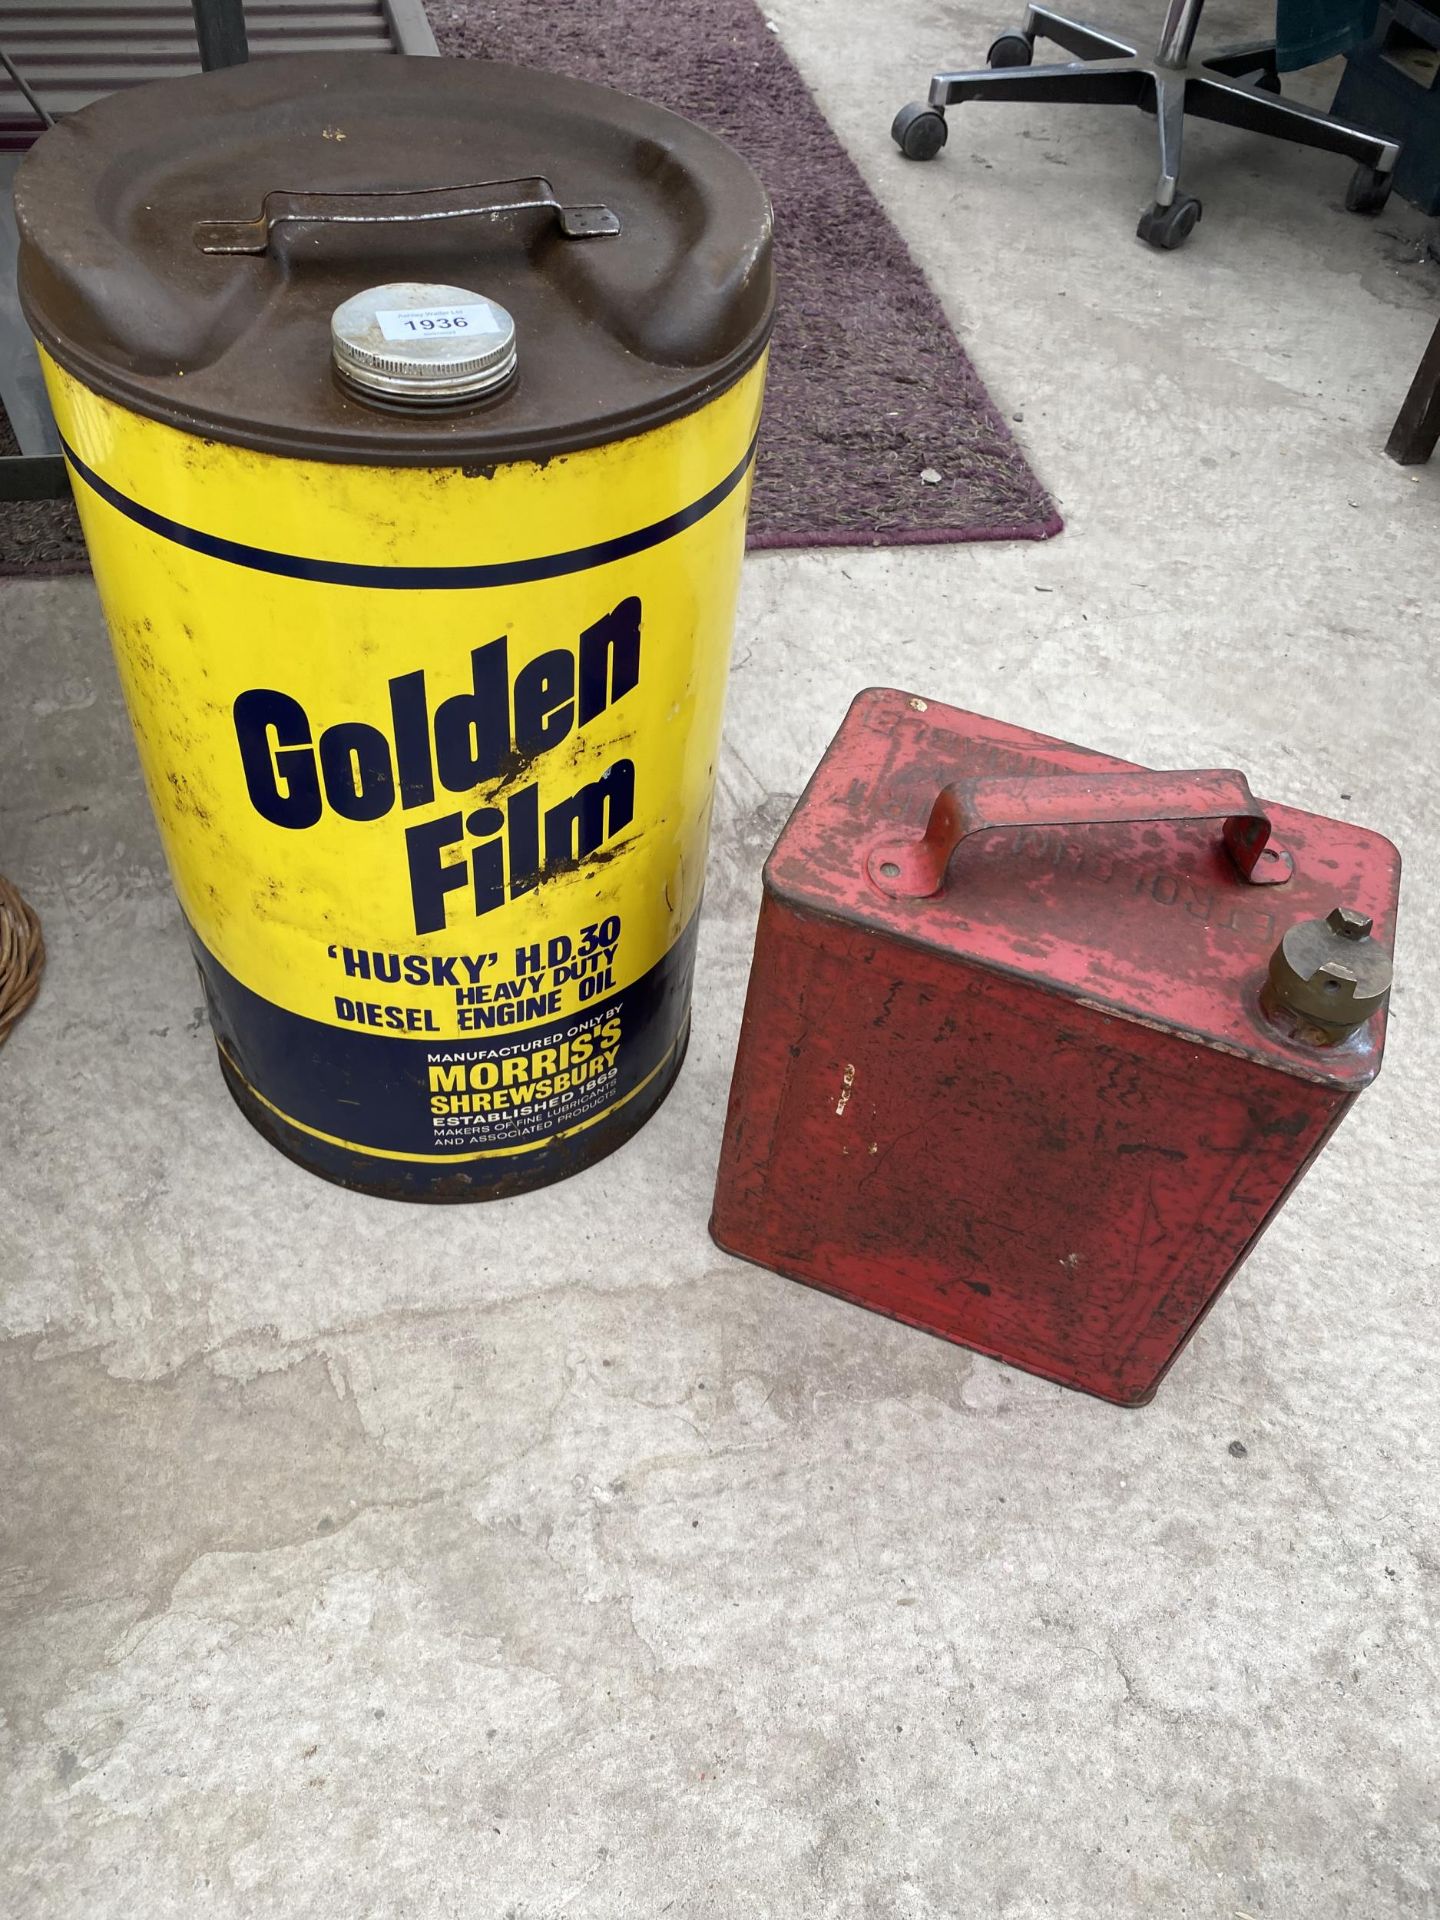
x: 491, y: 198
x: 916, y: 869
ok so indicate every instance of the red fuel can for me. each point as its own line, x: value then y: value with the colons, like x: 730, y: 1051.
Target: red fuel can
x: 1037, y: 1041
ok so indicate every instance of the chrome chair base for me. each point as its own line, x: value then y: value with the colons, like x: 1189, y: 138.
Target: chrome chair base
x: 1236, y: 86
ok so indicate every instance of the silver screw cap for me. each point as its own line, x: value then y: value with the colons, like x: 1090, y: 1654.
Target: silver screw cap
x: 413, y: 343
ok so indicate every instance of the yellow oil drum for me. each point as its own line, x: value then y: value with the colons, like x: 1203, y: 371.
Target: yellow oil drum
x: 411, y: 410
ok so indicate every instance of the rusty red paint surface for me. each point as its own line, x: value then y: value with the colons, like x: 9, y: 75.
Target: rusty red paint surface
x: 1038, y: 1111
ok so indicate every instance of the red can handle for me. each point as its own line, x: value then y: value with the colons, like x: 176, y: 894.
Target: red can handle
x: 916, y: 869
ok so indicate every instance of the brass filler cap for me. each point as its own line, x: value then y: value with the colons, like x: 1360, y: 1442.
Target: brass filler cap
x: 1330, y: 972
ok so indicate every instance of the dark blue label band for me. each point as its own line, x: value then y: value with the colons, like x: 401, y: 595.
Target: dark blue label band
x: 375, y: 1089
x: 342, y: 573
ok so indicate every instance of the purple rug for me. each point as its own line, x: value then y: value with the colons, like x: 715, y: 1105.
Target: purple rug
x: 37, y: 536
x: 869, y: 388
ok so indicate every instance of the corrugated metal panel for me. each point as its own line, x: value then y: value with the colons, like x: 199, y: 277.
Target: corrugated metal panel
x: 75, y: 51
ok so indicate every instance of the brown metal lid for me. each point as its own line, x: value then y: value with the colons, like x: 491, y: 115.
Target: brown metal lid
x: 184, y: 247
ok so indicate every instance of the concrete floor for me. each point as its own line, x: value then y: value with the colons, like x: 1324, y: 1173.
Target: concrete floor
x: 540, y: 1560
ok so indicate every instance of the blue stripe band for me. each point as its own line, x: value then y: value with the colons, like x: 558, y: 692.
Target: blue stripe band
x: 342, y: 573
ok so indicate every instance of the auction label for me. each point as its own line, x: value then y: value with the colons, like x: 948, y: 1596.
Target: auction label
x: 435, y: 323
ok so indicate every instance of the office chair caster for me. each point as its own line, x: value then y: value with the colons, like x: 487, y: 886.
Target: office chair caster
x: 1011, y: 50
x: 1368, y: 190
x: 919, y: 131
x: 1235, y: 86
x: 1169, y: 227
